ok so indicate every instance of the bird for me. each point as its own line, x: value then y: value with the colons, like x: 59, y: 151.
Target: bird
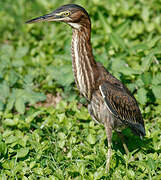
x: 109, y: 101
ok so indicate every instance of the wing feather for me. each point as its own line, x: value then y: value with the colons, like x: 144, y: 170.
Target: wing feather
x: 123, y: 106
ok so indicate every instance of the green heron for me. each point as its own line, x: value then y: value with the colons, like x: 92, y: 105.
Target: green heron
x: 109, y: 100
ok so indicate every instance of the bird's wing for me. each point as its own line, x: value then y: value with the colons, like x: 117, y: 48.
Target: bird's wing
x: 123, y: 106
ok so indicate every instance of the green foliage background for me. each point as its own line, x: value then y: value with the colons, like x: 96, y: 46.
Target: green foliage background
x: 63, y: 142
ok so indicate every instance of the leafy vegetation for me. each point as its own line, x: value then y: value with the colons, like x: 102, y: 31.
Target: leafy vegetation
x: 62, y: 142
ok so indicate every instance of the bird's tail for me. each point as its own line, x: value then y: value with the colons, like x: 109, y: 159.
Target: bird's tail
x: 138, y: 129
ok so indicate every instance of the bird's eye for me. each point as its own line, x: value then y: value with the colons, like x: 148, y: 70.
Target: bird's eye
x: 67, y: 13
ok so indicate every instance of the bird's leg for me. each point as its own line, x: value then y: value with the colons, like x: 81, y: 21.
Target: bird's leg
x: 123, y: 142
x: 109, y: 139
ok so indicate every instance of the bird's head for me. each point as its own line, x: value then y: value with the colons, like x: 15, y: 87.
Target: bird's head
x: 72, y: 14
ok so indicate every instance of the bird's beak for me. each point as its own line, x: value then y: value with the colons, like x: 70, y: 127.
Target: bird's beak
x: 48, y: 17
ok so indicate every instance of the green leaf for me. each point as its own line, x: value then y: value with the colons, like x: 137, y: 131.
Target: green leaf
x: 3, y: 148
x: 157, y: 79
x: 29, y: 96
x: 30, y: 118
x: 157, y: 91
x: 146, y: 61
x: 22, y: 152
x: 9, y: 164
x: 21, y: 52
x: 104, y: 22
x: 12, y: 77
x: 151, y: 164
x: 142, y: 95
x: 7, y: 50
x: 117, y: 64
x: 146, y: 78
x: 20, y: 105
x: 10, y: 122
x: 83, y: 114
x: 128, y: 71
x: 11, y: 139
x: 4, y: 91
x: 121, y: 66
x: 153, y: 41
x: 137, y: 26
x: 11, y: 101
x: 91, y: 139
x: 28, y: 80
x: 139, y: 83
x: 122, y: 28
x: 36, y: 97
x: 99, y: 173
x: 1, y: 105
x: 63, y: 74
x: 18, y: 63
x: 140, y: 47
x: 117, y: 41
x: 145, y: 14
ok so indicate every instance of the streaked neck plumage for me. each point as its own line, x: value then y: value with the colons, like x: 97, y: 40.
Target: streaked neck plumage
x: 83, y: 62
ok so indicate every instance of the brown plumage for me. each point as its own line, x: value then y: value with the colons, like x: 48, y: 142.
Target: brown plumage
x: 110, y: 102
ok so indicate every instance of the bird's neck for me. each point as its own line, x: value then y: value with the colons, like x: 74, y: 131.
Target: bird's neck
x: 83, y: 62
